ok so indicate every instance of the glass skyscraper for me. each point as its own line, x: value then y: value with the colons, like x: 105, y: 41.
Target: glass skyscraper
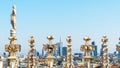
x: 101, y: 50
x: 42, y: 52
x: 64, y: 51
x: 119, y: 51
x: 94, y: 53
x: 59, y: 51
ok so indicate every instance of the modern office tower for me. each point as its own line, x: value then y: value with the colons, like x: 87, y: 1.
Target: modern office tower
x: 42, y: 52
x: 55, y: 53
x: 59, y: 48
x: 64, y: 51
x: 36, y: 53
x: 78, y: 56
x: 101, y: 52
x: 118, y: 54
x: 119, y: 51
x: 94, y: 53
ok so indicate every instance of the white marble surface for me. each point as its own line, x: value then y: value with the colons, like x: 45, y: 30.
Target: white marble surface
x: 1, y: 64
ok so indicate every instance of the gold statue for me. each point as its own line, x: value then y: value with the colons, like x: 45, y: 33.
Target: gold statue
x: 13, y: 18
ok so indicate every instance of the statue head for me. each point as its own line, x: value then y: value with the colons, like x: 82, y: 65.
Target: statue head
x: 14, y: 10
x: 14, y: 6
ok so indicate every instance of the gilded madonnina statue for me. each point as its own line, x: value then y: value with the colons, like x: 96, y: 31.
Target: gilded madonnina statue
x: 13, y: 18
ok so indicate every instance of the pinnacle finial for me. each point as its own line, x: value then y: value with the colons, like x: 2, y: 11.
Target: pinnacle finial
x: 104, y: 39
x: 69, y: 40
x: 50, y: 37
x: 87, y: 38
x: 31, y: 41
x: 14, y: 6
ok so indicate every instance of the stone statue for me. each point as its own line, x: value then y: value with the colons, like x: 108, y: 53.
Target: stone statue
x: 13, y: 18
x: 87, y: 48
x: 117, y: 47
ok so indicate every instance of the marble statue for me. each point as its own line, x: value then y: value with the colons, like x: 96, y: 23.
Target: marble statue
x: 13, y: 18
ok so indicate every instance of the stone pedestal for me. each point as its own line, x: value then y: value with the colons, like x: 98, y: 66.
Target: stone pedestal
x: 12, y: 61
x: 87, y: 61
x: 50, y: 61
x: 1, y: 64
x: 87, y: 48
x: 50, y: 48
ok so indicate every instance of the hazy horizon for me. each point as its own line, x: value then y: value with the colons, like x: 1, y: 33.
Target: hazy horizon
x: 77, y: 18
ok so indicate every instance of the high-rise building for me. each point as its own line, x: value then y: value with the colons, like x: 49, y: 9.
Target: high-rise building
x: 59, y: 48
x: 64, y: 51
x: 55, y: 53
x: 35, y: 52
x: 101, y: 50
x: 94, y: 53
x: 78, y: 56
x: 42, y: 52
x: 119, y: 51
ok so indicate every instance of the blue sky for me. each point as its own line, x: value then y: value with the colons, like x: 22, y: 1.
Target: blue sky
x: 77, y: 18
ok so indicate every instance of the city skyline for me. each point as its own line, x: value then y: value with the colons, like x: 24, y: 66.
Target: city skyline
x: 60, y: 19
